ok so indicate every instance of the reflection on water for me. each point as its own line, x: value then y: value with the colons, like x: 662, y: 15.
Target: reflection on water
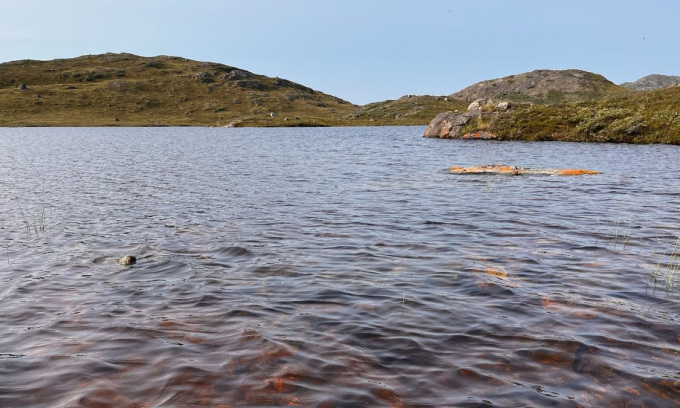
x: 333, y: 268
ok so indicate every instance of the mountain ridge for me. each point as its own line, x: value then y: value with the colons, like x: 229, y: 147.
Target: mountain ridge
x: 652, y: 82
x: 541, y: 86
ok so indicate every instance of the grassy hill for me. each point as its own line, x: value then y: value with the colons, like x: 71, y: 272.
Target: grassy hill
x: 128, y: 90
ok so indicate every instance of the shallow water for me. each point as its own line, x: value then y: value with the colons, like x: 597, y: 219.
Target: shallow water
x: 334, y: 268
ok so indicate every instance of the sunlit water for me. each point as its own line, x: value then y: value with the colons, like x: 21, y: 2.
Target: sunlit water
x: 334, y: 268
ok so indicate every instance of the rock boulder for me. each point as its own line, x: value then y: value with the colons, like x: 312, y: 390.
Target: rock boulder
x: 449, y: 124
x: 479, y: 104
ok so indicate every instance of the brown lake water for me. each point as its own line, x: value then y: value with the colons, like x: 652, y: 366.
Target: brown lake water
x: 339, y: 267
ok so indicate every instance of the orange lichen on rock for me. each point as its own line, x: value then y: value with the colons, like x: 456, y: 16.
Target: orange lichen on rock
x: 516, y: 170
x: 482, y: 135
x: 488, y: 169
x: 576, y: 172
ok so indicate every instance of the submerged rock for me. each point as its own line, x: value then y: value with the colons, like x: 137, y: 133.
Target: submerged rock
x: 127, y: 260
x: 487, y: 169
x: 517, y: 171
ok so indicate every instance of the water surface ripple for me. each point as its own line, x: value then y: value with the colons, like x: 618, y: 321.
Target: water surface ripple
x: 334, y: 268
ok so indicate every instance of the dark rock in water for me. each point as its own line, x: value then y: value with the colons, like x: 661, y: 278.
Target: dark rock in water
x: 22, y: 86
x: 127, y: 260
x: 584, y: 358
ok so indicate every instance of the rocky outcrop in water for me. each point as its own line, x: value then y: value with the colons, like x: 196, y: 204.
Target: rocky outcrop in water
x: 505, y: 169
x: 127, y: 260
x: 449, y: 124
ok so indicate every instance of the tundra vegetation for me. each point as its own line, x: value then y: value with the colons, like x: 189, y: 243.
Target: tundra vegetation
x: 129, y: 90
x: 631, y: 117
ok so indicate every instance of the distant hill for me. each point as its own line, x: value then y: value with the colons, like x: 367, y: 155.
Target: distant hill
x: 652, y: 82
x: 542, y: 86
x: 407, y: 110
x: 129, y: 90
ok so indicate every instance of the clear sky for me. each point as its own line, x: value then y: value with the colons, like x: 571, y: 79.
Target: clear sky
x: 361, y: 50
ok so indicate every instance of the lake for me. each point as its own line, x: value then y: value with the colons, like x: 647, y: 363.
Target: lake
x: 334, y: 267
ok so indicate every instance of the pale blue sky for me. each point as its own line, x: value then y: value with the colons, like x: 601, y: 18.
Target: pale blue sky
x: 361, y: 50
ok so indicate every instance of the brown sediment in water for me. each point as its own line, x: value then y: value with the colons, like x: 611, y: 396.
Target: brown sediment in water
x: 516, y: 170
x: 260, y: 287
x: 497, y: 272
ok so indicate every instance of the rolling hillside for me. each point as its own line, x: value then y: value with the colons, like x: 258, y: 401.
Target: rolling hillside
x: 128, y: 90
